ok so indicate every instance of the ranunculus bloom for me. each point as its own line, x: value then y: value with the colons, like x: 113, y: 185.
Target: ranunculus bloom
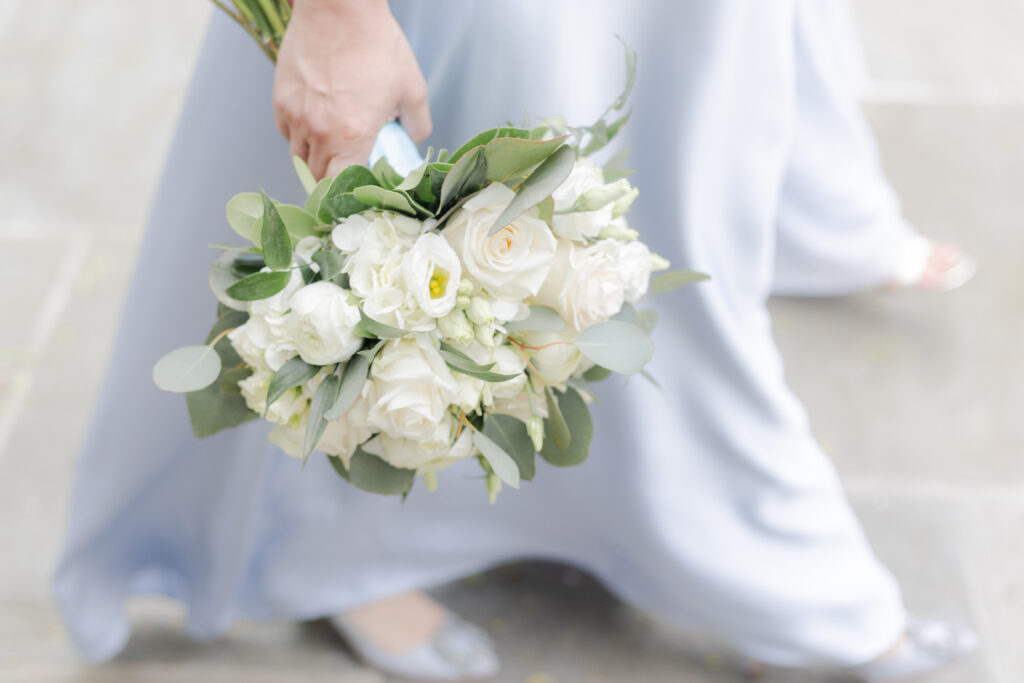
x: 323, y: 324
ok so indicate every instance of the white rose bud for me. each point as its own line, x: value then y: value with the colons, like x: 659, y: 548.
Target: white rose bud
x: 493, y: 487
x: 622, y: 204
x: 323, y: 323
x: 659, y: 262
x: 535, y: 428
x: 603, y: 195
x: 479, y: 311
x: 466, y: 287
x: 462, y: 302
x: 485, y: 335
x: 456, y: 326
x: 618, y: 230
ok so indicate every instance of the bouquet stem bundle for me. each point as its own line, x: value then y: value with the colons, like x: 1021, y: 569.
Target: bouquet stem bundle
x: 264, y: 20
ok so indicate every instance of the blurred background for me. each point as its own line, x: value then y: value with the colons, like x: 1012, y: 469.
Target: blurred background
x: 918, y: 398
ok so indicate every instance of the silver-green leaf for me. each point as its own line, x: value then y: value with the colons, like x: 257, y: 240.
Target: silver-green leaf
x: 501, y: 462
x: 541, y: 319
x: 189, y: 368
x: 619, y: 346
x: 674, y: 279
x: 544, y: 180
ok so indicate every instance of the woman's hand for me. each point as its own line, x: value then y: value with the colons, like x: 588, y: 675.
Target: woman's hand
x: 344, y: 70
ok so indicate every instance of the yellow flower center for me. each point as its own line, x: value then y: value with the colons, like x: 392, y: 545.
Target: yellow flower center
x: 438, y: 283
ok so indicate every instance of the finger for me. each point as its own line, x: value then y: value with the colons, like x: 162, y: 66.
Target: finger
x: 339, y: 162
x: 300, y: 147
x: 414, y: 115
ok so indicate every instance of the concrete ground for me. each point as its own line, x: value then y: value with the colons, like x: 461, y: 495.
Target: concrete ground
x: 918, y: 398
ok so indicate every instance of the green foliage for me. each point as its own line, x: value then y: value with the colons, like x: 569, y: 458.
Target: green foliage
x: 541, y: 319
x: 371, y: 329
x: 338, y: 201
x: 510, y: 158
x: 317, y: 196
x: 353, y: 377
x: 460, y: 362
x: 294, y: 372
x: 189, y: 368
x: 325, y: 397
x: 468, y: 175
x: 556, y: 427
x: 330, y: 264
x: 544, y: 180
x: 219, y: 405
x: 511, y: 436
x: 305, y: 175
x: 596, y: 374
x: 370, y: 473
x: 577, y: 417
x: 487, y: 136
x: 380, y: 198
x: 501, y: 462
x: 386, y: 176
x: 259, y: 285
x: 221, y: 276
x: 619, y: 346
x: 242, y: 211
x: 274, y: 240
x: 674, y: 279
x: 298, y: 222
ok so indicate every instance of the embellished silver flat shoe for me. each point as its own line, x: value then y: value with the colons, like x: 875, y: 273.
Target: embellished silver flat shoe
x: 928, y: 647
x: 458, y: 651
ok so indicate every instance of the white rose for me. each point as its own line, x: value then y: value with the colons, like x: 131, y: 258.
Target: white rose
x: 384, y: 229
x: 291, y: 406
x: 437, y: 452
x: 289, y: 438
x: 559, y: 358
x: 579, y: 225
x: 512, y: 263
x: 634, y: 261
x: 306, y: 247
x: 589, y: 284
x: 432, y: 274
x: 323, y: 324
x: 411, y: 389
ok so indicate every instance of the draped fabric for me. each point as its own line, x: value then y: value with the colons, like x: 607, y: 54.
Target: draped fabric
x: 707, y: 501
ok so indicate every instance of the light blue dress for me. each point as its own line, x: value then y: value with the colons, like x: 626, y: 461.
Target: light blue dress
x: 709, y: 502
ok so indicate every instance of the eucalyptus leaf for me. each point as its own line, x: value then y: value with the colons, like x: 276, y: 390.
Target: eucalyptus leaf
x: 298, y: 222
x: 511, y: 435
x: 274, y: 239
x: 379, y: 330
x: 619, y: 346
x: 380, y: 198
x: 483, y: 138
x: 556, y: 426
x: 544, y: 180
x: 330, y: 264
x: 626, y: 314
x: 294, y: 372
x: 213, y: 409
x: 448, y: 348
x: 466, y: 177
x: 189, y: 368
x: 325, y: 396
x: 305, y: 175
x: 370, y: 473
x: 385, y: 174
x: 673, y: 279
x: 509, y: 158
x: 412, y: 181
x: 501, y: 462
x: 339, y: 202
x: 353, y: 377
x: 317, y: 195
x: 541, y: 319
x: 577, y: 416
x: 259, y: 285
x: 242, y: 211
x: 474, y: 369
x: 647, y: 319
x: 221, y: 276
x: 596, y: 374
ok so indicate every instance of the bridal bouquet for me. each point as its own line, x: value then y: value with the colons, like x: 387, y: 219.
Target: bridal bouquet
x: 401, y: 323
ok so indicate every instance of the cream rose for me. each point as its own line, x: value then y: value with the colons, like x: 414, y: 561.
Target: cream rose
x: 432, y: 273
x: 437, y: 452
x: 411, y: 390
x: 377, y: 276
x: 512, y: 263
x: 265, y: 341
x: 558, y: 358
x: 323, y: 324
